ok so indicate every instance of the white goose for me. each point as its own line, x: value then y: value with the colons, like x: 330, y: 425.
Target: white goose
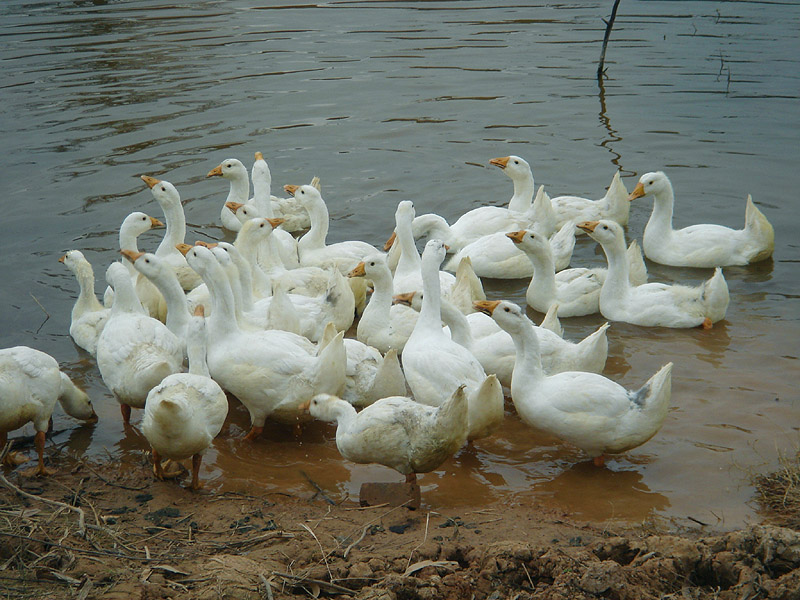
x: 88, y: 314
x: 435, y: 366
x: 614, y: 206
x: 485, y: 220
x: 30, y: 385
x: 185, y: 412
x: 382, y: 324
x: 134, y: 351
x: 132, y: 227
x: 588, y: 410
x: 653, y: 304
x: 576, y: 291
x: 497, y: 257
x: 270, y: 372
x: 235, y: 172
x: 282, y: 243
x: 312, y: 247
x: 704, y: 245
x: 397, y: 432
x: 169, y: 200
x: 495, y: 349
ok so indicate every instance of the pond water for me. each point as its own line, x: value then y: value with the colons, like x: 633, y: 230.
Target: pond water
x: 408, y: 100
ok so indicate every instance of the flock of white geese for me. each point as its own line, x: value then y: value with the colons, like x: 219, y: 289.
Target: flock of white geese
x: 264, y: 319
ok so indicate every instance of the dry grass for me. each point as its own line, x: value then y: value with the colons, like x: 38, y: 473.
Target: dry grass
x: 779, y: 492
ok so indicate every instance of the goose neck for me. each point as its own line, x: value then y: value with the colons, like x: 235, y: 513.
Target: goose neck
x: 661, y: 217
x: 409, y: 255
x: 523, y: 193
x: 176, y: 227
x: 528, y: 362
x: 430, y: 315
x: 317, y: 235
x: 86, y: 298
x: 460, y: 331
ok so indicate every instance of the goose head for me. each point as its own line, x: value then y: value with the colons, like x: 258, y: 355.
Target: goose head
x: 230, y: 168
x: 529, y: 241
x: 651, y: 183
x: 436, y: 250
x: 405, y: 211
x: 604, y: 232
x: 259, y: 229
x: 507, y: 315
x: 76, y: 403
x: 306, y: 194
x: 513, y: 166
x: 75, y: 260
x: 198, y: 257
x: 322, y: 407
x: 147, y: 264
x: 116, y: 274
x: 137, y: 223
x: 260, y: 171
x: 163, y: 191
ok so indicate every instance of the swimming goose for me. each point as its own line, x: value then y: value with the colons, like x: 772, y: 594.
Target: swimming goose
x: 484, y: 220
x: 134, y: 351
x: 614, y: 206
x: 435, y: 366
x: 397, y: 432
x: 88, y: 314
x: 576, y: 290
x: 382, y: 324
x: 270, y: 372
x: 312, y: 247
x: 235, y: 172
x: 132, y: 227
x: 497, y: 257
x: 169, y: 199
x: 295, y: 217
x: 185, y: 412
x: 653, y: 304
x: 282, y: 243
x: 597, y: 415
x: 704, y: 245
x: 495, y: 349
x: 30, y: 384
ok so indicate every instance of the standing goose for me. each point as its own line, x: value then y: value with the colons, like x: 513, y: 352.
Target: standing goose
x: 588, y: 410
x: 653, y: 304
x: 89, y: 316
x: 396, y: 432
x: 169, y: 199
x: 704, y: 245
x: 577, y: 290
x: 270, y: 372
x: 135, y: 351
x: 132, y: 227
x: 185, y: 412
x: 382, y: 324
x: 435, y: 366
x: 495, y: 349
x: 30, y: 385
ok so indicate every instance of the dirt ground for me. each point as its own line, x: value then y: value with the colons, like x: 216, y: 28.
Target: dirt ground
x: 102, y: 533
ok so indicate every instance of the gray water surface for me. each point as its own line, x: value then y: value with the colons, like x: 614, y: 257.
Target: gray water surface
x: 408, y: 100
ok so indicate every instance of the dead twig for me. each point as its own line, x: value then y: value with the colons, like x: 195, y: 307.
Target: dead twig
x: 321, y: 549
x: 316, y: 486
x: 609, y: 25
x: 63, y: 505
x: 323, y: 585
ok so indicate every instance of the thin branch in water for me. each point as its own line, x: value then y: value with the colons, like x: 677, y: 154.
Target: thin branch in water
x: 609, y: 25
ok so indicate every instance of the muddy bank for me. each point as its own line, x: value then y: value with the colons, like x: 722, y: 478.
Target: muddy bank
x: 116, y: 534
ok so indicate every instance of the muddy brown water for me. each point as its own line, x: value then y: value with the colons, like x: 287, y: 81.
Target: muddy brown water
x: 387, y: 101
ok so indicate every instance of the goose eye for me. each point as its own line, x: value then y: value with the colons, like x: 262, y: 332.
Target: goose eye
x: 605, y: 226
x: 147, y: 260
x: 651, y: 183
x: 302, y: 191
x: 516, y: 162
x: 372, y: 264
x: 506, y: 309
x: 262, y: 225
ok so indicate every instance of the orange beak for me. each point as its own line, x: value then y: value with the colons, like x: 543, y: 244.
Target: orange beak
x: 291, y: 189
x: 403, y: 298
x: 517, y: 236
x: 199, y: 311
x: 637, y: 192
x: 183, y: 248
x: 358, y: 271
x: 259, y: 156
x: 131, y: 255
x: 486, y: 306
x: 276, y: 221
x: 390, y: 242
x: 304, y: 406
x: 94, y: 418
x: 233, y: 206
x: 208, y: 245
x: 587, y: 226
x: 62, y: 259
x: 155, y: 222
x: 215, y: 172
x: 150, y: 181
x: 501, y: 162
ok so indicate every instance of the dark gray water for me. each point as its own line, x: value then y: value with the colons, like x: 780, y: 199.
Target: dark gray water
x: 388, y: 101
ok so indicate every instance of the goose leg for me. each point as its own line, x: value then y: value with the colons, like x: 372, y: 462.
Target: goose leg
x: 707, y: 324
x: 599, y: 461
x: 126, y: 413
x: 158, y: 471
x: 253, y: 433
x: 40, y: 470
x: 411, y: 478
x: 196, y: 460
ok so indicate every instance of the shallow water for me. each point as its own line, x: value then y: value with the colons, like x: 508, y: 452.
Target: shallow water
x: 387, y: 101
